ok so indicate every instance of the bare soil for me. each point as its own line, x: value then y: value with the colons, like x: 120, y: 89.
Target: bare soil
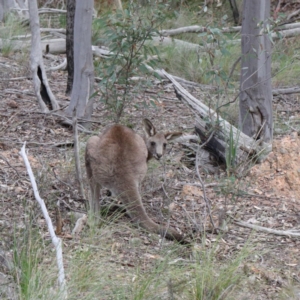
x: 269, y: 196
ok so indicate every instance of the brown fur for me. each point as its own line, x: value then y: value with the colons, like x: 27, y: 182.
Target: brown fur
x: 117, y: 160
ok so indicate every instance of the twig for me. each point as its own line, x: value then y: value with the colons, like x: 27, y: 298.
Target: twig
x: 232, y: 70
x: 62, y: 66
x: 55, y: 240
x: 290, y: 233
x: 293, y: 14
x: 16, y: 78
x: 225, y: 292
x: 292, y: 90
x: 71, y: 208
x: 193, y: 220
x: 52, y: 10
x: 59, y: 145
x: 6, y: 160
x: 76, y: 153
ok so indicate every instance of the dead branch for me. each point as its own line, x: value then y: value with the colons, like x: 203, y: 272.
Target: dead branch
x: 210, y: 121
x: 57, y: 46
x: 60, y: 30
x: 6, y: 160
x: 292, y: 90
x: 62, y: 66
x: 167, y: 41
x: 196, y: 29
x: 289, y: 26
x: 200, y: 29
x: 52, y: 11
x: 293, y: 14
x: 289, y: 233
x: 187, y: 29
x: 16, y: 78
x: 286, y: 33
x: 206, y: 112
x: 182, y: 80
x: 55, y: 240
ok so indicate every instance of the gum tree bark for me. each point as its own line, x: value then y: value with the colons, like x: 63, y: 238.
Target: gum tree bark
x: 82, y: 90
x: 256, y: 115
x: 235, y: 11
x: 71, y: 5
x: 42, y: 89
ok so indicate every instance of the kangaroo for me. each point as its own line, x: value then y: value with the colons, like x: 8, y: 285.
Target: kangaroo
x: 117, y: 160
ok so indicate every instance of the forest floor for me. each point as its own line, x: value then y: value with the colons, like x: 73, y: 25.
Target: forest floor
x: 268, y: 196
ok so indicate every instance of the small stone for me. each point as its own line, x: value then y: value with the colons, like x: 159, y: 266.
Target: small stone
x: 12, y: 104
x: 135, y: 241
x: 294, y: 135
x: 283, y: 151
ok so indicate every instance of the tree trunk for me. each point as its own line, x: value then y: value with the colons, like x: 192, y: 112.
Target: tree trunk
x: 71, y: 5
x: 235, y: 11
x: 42, y: 89
x: 256, y: 115
x: 82, y: 90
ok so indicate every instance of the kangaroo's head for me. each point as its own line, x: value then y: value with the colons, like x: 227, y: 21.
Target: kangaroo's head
x: 157, y: 141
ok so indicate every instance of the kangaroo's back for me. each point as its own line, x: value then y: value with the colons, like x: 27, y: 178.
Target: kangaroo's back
x: 117, y: 153
x: 117, y: 160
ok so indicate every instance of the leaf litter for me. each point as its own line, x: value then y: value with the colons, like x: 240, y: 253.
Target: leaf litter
x: 268, y: 196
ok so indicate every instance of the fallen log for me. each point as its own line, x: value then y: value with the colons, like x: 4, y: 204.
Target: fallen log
x: 227, y: 143
x: 201, y: 29
x: 292, y: 90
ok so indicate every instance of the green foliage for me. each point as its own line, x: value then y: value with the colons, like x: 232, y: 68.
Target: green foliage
x: 126, y: 34
x: 231, y: 152
x: 27, y: 256
x: 215, y: 281
x: 12, y: 27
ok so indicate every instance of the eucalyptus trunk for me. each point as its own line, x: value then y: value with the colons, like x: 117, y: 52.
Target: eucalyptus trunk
x: 83, y: 85
x: 256, y: 114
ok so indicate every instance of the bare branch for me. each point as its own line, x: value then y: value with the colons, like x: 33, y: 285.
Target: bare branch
x: 55, y: 240
x: 292, y: 90
x: 290, y: 233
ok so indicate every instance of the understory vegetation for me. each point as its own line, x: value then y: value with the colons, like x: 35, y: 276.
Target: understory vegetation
x: 117, y: 260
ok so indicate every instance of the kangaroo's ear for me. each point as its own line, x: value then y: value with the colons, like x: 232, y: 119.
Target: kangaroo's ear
x: 172, y: 135
x: 149, y: 128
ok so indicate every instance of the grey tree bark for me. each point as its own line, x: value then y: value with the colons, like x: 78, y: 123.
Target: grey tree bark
x: 71, y: 5
x: 82, y: 90
x: 42, y: 89
x: 256, y: 114
x: 235, y: 11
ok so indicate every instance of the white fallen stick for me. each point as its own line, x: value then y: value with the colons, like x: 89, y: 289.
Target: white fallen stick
x: 55, y: 240
x: 289, y: 233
